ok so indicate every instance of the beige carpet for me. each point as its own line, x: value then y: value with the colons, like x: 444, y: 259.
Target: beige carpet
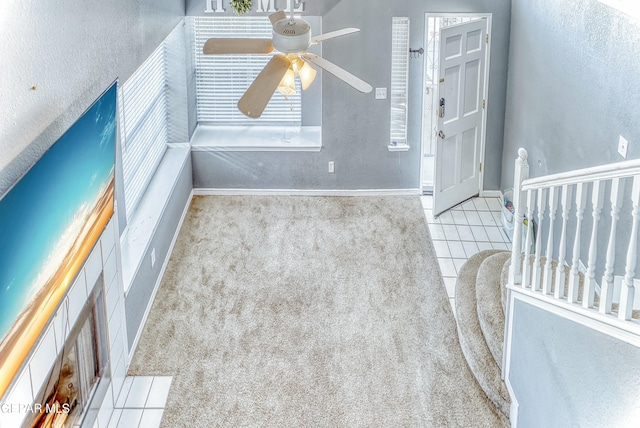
x: 305, y: 312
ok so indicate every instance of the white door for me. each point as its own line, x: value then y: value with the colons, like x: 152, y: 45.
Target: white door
x: 460, y: 119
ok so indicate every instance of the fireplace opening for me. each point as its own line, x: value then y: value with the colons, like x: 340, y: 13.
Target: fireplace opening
x: 76, y: 379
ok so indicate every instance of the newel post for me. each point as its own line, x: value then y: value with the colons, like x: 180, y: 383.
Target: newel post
x: 521, y: 174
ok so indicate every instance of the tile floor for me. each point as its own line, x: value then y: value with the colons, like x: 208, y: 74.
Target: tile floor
x: 459, y: 233
x: 141, y: 402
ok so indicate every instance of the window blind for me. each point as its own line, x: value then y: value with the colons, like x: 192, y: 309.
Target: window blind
x: 143, y: 126
x: 221, y: 80
x: 399, y: 79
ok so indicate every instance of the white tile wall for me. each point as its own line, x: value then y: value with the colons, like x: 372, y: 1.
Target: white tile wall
x: 112, y: 298
x: 117, y: 348
x: 118, y: 376
x: 110, y: 271
x: 115, y: 324
x: 104, y: 415
x: 108, y: 240
x: 76, y: 298
x: 43, y: 359
x: 61, y: 325
x: 93, y: 267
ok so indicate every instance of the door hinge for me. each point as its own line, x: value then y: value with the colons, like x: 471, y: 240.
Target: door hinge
x: 442, y: 80
x: 480, y: 166
x: 486, y: 38
x: 483, y: 104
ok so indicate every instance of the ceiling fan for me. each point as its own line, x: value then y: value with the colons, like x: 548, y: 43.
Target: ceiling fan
x: 291, y: 38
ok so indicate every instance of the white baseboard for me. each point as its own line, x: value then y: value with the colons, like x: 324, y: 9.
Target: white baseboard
x: 156, y: 286
x: 310, y: 192
x: 491, y: 194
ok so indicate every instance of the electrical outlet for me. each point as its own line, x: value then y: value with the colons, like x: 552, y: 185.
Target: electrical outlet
x: 332, y: 167
x: 381, y: 93
x: 153, y: 257
x: 623, y: 146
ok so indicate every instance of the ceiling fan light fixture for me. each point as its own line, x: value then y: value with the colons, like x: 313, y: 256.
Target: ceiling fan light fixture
x: 287, y: 85
x: 307, y: 75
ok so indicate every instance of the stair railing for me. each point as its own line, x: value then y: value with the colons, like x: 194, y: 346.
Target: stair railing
x: 536, y: 201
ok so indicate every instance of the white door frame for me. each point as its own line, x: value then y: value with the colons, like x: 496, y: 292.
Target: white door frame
x: 485, y: 94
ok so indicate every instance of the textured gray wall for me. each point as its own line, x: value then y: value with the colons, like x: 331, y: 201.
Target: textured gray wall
x: 566, y: 375
x: 573, y: 85
x: 71, y: 51
x: 355, y: 131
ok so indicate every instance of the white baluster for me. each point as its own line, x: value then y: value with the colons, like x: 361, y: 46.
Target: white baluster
x: 526, y: 269
x: 627, y: 293
x: 548, y: 271
x: 597, y: 199
x: 521, y: 174
x: 606, y: 286
x: 562, y: 247
x: 574, y: 276
x: 537, y: 274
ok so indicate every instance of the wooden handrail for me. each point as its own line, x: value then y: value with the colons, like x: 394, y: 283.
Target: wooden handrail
x: 623, y: 169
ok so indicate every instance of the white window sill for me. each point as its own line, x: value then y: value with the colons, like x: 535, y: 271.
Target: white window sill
x: 144, y: 221
x: 398, y: 147
x: 256, y: 138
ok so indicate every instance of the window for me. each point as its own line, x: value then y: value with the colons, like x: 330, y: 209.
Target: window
x: 221, y: 80
x: 143, y: 126
x: 399, y: 80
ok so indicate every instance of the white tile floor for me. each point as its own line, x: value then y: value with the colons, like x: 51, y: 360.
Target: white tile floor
x: 141, y: 402
x: 459, y: 233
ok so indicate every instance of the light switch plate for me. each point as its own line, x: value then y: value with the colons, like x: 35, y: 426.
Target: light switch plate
x: 381, y: 93
x: 623, y: 146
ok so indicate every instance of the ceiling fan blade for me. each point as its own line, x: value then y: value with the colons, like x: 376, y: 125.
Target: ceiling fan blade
x: 256, y: 98
x: 340, y: 73
x: 322, y: 37
x: 237, y: 46
x: 275, y: 17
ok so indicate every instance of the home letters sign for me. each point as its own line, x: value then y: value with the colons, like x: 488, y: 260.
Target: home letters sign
x: 261, y: 6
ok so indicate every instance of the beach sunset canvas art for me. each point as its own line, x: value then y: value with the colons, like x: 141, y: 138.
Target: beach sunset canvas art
x: 50, y: 221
